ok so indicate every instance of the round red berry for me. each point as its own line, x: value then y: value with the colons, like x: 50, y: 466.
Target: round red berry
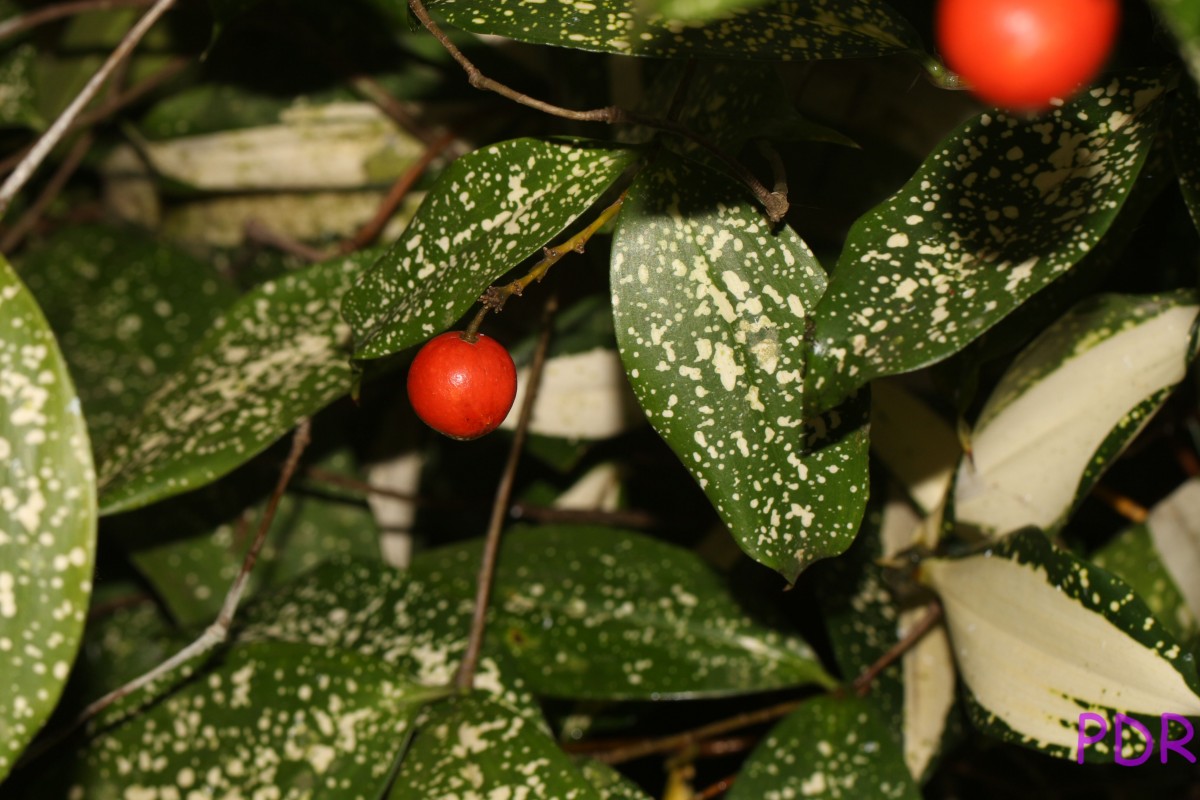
x: 461, y: 388
x: 1021, y: 54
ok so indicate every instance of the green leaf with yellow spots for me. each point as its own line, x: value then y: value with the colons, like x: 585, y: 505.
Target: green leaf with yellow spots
x: 279, y: 354
x: 789, y: 30
x: 272, y: 719
x: 1004, y: 207
x: 127, y: 311
x: 1041, y: 636
x: 643, y: 619
x: 830, y: 747
x: 190, y: 549
x: 18, y: 101
x: 1160, y: 559
x: 488, y: 212
x: 47, y: 519
x: 478, y: 746
x: 610, y: 784
x: 1069, y: 405
x: 711, y: 307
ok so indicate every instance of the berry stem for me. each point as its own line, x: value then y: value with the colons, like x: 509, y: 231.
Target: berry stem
x: 464, y: 680
x: 496, y: 296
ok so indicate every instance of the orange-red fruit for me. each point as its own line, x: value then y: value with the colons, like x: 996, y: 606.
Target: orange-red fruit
x: 462, y: 389
x: 1021, y: 54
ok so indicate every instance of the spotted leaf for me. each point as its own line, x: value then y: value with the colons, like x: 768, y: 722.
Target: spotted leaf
x: 18, y: 104
x: 1160, y: 559
x: 828, y: 748
x: 807, y: 29
x: 710, y: 308
x: 190, y: 550
x: 279, y: 354
x: 914, y: 695
x: 610, y: 784
x: 477, y: 746
x: 1041, y: 636
x: 47, y: 519
x: 1068, y: 405
x: 644, y: 619
x: 1004, y: 207
x: 488, y: 212
x: 278, y: 719
x: 127, y: 311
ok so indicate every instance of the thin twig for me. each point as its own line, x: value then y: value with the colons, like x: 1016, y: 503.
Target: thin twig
x: 862, y: 684
x: 465, y: 678
x: 343, y: 482
x: 54, y: 134
x: 400, y: 189
x: 256, y: 231
x: 667, y: 744
x: 641, y: 520
x: 717, y: 789
x: 777, y: 169
x: 102, y: 112
x: 21, y: 228
x: 776, y: 205
x: 496, y: 296
x: 23, y: 22
x: 1127, y: 507
x: 214, y: 634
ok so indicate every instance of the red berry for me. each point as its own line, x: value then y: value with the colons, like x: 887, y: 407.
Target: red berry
x: 1021, y: 54
x: 462, y: 389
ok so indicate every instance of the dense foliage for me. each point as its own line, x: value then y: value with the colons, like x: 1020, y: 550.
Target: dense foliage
x: 862, y: 461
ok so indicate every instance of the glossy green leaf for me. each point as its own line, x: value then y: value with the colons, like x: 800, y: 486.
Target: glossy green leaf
x: 272, y: 719
x: 610, y: 784
x: 488, y: 212
x: 279, y: 354
x: 127, y: 311
x: 710, y: 308
x: 828, y: 748
x: 1068, y: 405
x: 477, y: 746
x: 1160, y: 559
x: 1004, y: 207
x: 1041, y: 636
x: 18, y: 107
x: 804, y: 29
x: 47, y: 519
x: 1182, y: 19
x: 1184, y: 133
x: 915, y: 694
x: 643, y: 619
x: 191, y: 559
x: 699, y: 9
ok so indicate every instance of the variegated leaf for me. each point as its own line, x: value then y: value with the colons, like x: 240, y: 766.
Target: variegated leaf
x: 1160, y: 559
x: 1068, y: 405
x: 488, y: 212
x: 915, y: 694
x: 710, y: 308
x: 1004, y: 207
x: 916, y: 444
x: 798, y: 29
x: 47, y: 519
x: 279, y: 354
x: 581, y: 396
x: 1041, y: 636
x: 831, y: 748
